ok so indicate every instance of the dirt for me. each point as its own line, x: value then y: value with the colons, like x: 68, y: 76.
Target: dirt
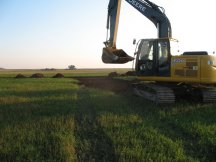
x: 107, y: 83
x: 58, y: 75
x: 115, y: 74
x: 20, y: 76
x: 37, y: 75
x: 130, y: 73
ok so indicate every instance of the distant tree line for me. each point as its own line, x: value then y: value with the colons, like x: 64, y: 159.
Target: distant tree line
x: 49, y: 69
x: 72, y: 67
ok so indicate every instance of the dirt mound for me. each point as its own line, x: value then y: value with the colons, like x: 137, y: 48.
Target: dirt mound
x: 37, y: 75
x: 58, y: 75
x: 20, y: 76
x: 113, y: 74
x: 130, y: 73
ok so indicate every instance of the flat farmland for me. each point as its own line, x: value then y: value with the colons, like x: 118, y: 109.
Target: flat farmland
x: 87, y: 116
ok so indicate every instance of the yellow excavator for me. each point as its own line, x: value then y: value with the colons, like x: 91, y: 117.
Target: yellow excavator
x: 158, y: 60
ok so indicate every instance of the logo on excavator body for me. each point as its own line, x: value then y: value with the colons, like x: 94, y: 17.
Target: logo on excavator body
x: 137, y: 5
x: 177, y: 60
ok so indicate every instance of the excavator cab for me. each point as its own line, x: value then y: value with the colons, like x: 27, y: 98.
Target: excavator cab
x: 154, y: 57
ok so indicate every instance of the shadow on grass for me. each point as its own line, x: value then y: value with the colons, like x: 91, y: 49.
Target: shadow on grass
x: 174, y: 125
x: 92, y: 142
x: 36, y: 130
x: 46, y: 103
x: 198, y: 141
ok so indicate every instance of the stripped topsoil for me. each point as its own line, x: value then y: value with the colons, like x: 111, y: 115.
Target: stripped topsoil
x: 107, y: 84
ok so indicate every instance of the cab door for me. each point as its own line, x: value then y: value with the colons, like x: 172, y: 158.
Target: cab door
x: 163, y: 58
x: 146, y: 58
x: 153, y: 57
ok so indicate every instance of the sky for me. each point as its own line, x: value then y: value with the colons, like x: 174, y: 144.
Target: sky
x: 36, y: 34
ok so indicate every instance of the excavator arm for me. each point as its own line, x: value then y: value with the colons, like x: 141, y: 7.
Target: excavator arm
x: 110, y: 53
x: 153, y: 12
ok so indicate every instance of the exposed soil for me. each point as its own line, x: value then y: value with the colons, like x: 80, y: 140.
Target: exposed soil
x: 115, y: 74
x: 37, y: 75
x: 107, y: 83
x: 20, y: 76
x: 130, y: 73
x: 58, y: 75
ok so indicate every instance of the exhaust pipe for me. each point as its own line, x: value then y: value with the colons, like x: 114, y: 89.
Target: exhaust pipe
x: 115, y: 56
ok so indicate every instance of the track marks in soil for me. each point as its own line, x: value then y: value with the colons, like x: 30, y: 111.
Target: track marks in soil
x: 108, y: 84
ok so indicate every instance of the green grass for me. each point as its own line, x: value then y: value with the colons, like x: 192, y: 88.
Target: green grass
x: 37, y: 119
x: 57, y: 120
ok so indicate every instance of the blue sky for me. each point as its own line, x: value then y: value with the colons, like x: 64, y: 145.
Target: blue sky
x: 57, y: 33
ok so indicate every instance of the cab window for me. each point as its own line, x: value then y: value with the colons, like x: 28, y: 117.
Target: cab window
x: 162, y: 53
x: 146, y: 51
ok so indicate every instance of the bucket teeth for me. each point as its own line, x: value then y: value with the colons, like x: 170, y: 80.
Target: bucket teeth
x: 115, y: 56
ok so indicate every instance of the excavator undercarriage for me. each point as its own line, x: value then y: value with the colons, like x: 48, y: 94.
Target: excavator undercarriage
x: 168, y: 93
x: 154, y: 92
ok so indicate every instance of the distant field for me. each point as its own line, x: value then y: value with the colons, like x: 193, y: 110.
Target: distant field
x: 67, y: 73
x: 56, y: 120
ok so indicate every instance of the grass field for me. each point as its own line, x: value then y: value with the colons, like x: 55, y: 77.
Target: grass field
x: 53, y: 119
x: 67, y: 73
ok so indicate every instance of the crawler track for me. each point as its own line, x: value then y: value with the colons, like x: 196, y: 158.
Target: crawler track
x: 156, y: 93
x: 167, y: 94
x: 208, y: 95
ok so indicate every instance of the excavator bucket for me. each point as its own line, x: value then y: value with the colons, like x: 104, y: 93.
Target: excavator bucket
x: 115, y: 56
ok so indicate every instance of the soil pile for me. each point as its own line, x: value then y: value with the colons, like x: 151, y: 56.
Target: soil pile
x: 130, y: 73
x: 113, y: 74
x: 37, y: 75
x: 58, y: 75
x: 20, y: 76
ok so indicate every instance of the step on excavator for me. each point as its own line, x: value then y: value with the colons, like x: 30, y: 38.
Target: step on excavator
x: 164, y: 74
